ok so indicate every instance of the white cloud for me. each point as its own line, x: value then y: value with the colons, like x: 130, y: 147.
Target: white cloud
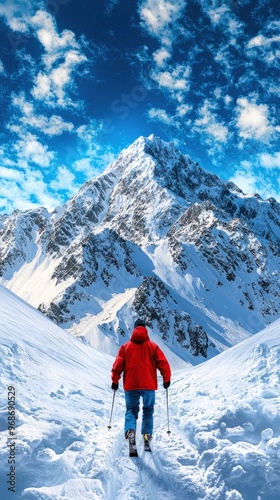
x: 252, y: 182
x: 171, y: 80
x: 228, y: 99
x: 27, y: 189
x: 235, y: 28
x: 208, y: 124
x: 270, y: 160
x: 175, y: 81
x: 94, y: 156
x: 261, y: 41
x: 60, y: 76
x: 42, y: 86
x: 161, y: 56
x: 9, y: 173
x: 91, y: 166
x: 161, y: 19
x: 62, y: 57
x: 183, y: 109
x: 244, y: 178
x: 265, y: 45
x: 62, y: 54
x: 12, y: 196
x: 89, y: 132
x: 217, y: 14
x: 65, y: 180
x: 85, y: 166
x: 34, y: 186
x: 252, y: 121
x: 52, y: 86
x: 47, y: 34
x: 226, y: 19
x: 24, y: 185
x: 158, y: 15
x: 17, y: 12
x: 223, y: 57
x: 160, y: 115
x: 30, y: 149
x: 52, y: 125
x: 25, y: 107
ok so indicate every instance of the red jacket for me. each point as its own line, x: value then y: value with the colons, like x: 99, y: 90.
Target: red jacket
x: 139, y: 359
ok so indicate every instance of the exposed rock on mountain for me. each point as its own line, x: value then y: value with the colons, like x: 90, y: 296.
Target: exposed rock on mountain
x: 154, y: 302
x: 155, y: 236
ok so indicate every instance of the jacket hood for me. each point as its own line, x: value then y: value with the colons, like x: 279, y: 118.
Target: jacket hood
x: 139, y: 335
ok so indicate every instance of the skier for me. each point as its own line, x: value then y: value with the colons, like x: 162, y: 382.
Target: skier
x: 139, y: 359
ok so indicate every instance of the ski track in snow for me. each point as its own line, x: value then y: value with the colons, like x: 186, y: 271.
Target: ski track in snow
x: 224, y: 421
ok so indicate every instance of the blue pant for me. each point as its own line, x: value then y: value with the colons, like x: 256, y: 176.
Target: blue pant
x: 132, y: 399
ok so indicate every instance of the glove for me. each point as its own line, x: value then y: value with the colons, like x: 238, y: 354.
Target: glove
x: 115, y: 386
x: 166, y: 384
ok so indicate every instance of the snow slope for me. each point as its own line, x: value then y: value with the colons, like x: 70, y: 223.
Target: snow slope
x: 224, y: 420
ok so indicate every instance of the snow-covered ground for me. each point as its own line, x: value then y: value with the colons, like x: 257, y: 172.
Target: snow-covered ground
x: 224, y: 421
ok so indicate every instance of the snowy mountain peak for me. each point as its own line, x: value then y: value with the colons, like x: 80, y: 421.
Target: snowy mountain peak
x: 155, y: 234
x: 145, y: 155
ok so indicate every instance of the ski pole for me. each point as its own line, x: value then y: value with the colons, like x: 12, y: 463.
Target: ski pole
x: 168, y: 430
x: 109, y: 426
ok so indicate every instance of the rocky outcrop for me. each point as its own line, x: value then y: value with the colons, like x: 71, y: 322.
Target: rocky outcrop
x: 155, y: 304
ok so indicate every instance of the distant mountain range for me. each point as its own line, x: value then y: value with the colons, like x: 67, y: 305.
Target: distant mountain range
x: 154, y: 236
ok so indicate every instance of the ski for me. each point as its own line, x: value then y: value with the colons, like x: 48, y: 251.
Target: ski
x: 146, y: 443
x: 132, y: 445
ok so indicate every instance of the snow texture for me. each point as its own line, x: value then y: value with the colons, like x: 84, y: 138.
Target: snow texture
x: 224, y: 420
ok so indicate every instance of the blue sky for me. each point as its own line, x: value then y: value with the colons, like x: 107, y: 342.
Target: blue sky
x: 81, y: 80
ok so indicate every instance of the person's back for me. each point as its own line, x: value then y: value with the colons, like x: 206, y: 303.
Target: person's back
x: 138, y: 359
x: 142, y: 358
